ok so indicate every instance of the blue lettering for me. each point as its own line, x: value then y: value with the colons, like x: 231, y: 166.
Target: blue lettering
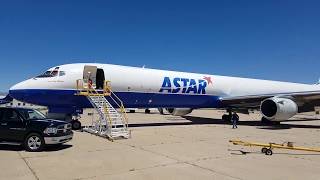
x: 202, y: 86
x: 185, y: 84
x: 166, y: 85
x: 176, y: 84
x: 192, y: 86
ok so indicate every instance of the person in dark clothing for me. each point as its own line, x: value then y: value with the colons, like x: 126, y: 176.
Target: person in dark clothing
x: 235, y: 119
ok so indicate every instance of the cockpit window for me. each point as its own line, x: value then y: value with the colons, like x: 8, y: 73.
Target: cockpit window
x: 54, y: 73
x: 62, y: 73
x: 45, y: 74
x: 49, y: 73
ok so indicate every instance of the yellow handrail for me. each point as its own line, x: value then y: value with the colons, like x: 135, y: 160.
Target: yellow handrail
x: 107, y: 91
x: 109, y: 118
x: 117, y: 100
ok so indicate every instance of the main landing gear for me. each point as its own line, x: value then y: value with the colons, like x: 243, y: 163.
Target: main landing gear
x: 228, y: 117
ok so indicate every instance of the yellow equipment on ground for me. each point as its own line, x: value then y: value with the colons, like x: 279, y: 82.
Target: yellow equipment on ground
x: 267, y: 148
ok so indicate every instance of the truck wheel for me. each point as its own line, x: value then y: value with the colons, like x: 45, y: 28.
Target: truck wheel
x: 34, y: 142
x: 76, y: 125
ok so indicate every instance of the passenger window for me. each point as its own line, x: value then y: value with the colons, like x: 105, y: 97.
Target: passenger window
x: 11, y: 115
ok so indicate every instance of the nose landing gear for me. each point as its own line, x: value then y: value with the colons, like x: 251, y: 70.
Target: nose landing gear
x: 76, y: 124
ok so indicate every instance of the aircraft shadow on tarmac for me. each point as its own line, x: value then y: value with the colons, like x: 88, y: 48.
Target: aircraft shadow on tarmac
x: 49, y: 148
x: 192, y: 120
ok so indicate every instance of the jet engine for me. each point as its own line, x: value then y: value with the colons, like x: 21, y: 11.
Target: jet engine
x: 278, y: 109
x: 179, y: 111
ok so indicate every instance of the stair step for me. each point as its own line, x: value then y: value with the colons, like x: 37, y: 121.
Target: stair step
x: 109, y: 116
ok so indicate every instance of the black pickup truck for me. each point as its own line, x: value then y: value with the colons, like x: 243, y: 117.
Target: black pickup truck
x: 30, y: 128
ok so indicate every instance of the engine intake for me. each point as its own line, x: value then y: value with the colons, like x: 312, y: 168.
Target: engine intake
x: 278, y: 109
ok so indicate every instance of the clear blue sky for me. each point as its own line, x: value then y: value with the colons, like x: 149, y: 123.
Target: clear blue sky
x: 274, y: 39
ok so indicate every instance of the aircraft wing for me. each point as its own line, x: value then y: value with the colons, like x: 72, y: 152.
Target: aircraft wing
x: 254, y: 101
x: 6, y: 99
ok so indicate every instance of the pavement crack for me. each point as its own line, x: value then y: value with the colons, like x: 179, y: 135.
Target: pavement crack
x: 132, y: 170
x: 213, y: 171
x: 28, y: 165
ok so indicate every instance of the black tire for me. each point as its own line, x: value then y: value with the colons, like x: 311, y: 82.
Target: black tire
x: 268, y: 152
x: 132, y: 111
x: 226, y: 118
x: 264, y: 150
x: 34, y: 142
x: 76, y: 125
x: 147, y: 111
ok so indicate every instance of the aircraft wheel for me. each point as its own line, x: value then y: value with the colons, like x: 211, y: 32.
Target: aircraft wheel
x: 264, y: 150
x: 147, y: 111
x: 268, y: 152
x: 226, y: 118
x: 76, y: 125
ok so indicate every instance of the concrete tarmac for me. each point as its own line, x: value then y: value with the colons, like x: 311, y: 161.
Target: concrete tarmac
x: 166, y: 147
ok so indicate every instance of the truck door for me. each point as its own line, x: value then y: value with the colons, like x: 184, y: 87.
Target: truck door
x: 12, y: 126
x: 90, y: 74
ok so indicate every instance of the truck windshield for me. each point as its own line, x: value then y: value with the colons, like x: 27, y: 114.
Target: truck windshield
x: 30, y: 114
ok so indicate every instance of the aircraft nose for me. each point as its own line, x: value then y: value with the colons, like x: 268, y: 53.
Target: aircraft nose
x: 17, y: 91
x: 20, y: 85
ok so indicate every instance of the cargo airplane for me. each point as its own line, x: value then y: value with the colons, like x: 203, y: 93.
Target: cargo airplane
x: 177, y: 92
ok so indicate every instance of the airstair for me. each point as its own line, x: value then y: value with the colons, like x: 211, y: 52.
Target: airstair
x: 112, y: 123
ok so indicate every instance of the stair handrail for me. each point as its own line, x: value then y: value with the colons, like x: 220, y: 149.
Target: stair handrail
x: 117, y: 100
x: 106, y: 91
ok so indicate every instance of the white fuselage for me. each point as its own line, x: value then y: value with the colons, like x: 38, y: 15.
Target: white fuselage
x: 142, y: 87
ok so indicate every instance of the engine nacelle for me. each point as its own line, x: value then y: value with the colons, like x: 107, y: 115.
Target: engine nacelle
x: 278, y: 109
x: 179, y: 111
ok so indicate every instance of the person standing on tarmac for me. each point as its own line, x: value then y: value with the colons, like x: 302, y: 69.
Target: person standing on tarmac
x: 235, y: 119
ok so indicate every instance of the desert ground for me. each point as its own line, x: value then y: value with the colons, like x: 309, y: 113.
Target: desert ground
x: 195, y: 146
